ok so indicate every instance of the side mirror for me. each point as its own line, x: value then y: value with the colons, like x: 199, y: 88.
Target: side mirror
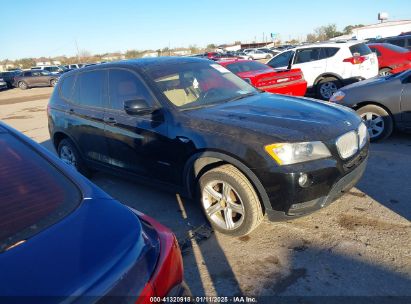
x: 137, y: 107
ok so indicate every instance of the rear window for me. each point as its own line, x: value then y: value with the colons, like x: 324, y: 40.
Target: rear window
x: 361, y: 49
x: 33, y: 193
x: 239, y: 67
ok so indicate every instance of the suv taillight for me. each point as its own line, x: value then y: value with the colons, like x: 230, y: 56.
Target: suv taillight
x: 355, y: 59
x: 169, y: 269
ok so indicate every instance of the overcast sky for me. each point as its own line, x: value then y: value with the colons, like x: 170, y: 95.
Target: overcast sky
x: 50, y: 27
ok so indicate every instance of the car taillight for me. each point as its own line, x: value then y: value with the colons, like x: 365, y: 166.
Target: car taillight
x: 355, y: 59
x: 169, y: 269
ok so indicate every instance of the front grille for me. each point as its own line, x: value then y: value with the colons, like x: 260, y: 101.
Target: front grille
x: 347, y: 144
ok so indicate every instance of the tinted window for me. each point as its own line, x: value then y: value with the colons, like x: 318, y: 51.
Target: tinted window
x: 361, y: 49
x: 123, y: 86
x: 246, y: 66
x: 66, y: 88
x: 35, y: 73
x: 328, y: 52
x: 27, y: 74
x: 33, y: 194
x: 399, y: 42
x: 89, y: 88
x: 281, y: 60
x: 307, y: 55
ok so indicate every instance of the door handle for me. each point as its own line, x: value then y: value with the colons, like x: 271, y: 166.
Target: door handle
x: 110, y: 120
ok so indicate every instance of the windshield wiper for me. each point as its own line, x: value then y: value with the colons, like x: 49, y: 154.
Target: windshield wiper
x: 242, y: 96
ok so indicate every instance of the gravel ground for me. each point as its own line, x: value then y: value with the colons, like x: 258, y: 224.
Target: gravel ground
x: 358, y: 246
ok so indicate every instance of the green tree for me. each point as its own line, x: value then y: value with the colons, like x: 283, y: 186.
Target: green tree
x: 211, y: 46
x: 348, y: 29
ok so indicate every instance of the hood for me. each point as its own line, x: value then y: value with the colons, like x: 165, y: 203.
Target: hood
x: 84, y: 254
x: 368, y: 82
x: 277, y: 117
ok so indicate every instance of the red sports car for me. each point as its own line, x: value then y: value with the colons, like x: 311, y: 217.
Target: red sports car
x: 263, y: 77
x: 392, y: 59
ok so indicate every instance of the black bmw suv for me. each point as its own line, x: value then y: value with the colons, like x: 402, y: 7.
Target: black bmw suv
x: 191, y: 125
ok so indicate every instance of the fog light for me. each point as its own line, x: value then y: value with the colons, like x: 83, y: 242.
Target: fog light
x: 304, y: 180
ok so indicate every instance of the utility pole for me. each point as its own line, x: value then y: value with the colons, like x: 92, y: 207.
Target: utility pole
x: 78, y: 53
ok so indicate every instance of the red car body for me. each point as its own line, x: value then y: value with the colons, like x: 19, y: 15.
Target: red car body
x: 392, y: 57
x: 263, y: 77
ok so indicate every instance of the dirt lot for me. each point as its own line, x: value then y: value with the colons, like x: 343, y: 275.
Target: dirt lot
x: 358, y: 246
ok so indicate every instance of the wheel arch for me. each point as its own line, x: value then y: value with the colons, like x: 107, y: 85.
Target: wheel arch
x: 203, y: 161
x: 375, y: 103
x: 327, y: 75
x: 58, y: 136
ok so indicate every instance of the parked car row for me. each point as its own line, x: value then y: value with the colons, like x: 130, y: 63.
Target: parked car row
x: 330, y: 65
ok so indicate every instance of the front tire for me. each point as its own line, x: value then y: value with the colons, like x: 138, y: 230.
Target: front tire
x: 53, y: 82
x: 69, y: 154
x: 229, y: 201
x: 378, y: 121
x: 22, y: 85
x: 327, y: 87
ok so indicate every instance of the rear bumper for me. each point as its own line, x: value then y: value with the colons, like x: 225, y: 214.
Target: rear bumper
x: 328, y: 185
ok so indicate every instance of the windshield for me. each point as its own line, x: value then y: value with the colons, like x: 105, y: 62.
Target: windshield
x: 200, y: 84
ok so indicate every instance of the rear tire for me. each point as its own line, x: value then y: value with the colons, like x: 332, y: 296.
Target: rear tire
x: 22, y: 85
x: 378, y: 121
x: 69, y: 154
x: 229, y: 201
x: 326, y: 87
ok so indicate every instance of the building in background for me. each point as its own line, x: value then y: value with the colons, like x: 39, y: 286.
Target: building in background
x: 379, y: 30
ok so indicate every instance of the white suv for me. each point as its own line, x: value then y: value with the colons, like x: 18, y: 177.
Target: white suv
x: 330, y: 65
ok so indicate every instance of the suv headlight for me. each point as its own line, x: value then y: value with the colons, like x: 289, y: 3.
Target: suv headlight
x: 292, y: 153
x: 337, y: 96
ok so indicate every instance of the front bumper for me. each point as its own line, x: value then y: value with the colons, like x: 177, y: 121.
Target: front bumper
x: 330, y: 180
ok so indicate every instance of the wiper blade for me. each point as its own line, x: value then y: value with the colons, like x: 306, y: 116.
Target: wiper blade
x: 242, y: 96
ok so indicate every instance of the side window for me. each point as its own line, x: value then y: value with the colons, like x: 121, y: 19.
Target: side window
x: 27, y: 74
x: 307, y: 55
x: 125, y: 85
x: 35, y: 74
x: 328, y: 52
x: 66, y: 88
x: 89, y: 88
x: 281, y: 60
